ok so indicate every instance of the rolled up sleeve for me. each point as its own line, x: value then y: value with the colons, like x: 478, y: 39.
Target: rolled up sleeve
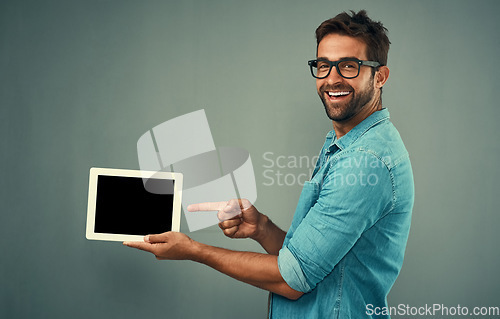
x: 291, y: 271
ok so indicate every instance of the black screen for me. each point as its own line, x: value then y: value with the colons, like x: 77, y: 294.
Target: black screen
x: 124, y: 206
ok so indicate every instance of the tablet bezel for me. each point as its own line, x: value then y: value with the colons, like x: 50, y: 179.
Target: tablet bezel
x: 95, y: 172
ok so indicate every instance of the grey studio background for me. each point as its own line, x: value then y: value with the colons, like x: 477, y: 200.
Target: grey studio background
x: 81, y: 81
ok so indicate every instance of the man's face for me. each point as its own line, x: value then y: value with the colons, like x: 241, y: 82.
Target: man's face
x: 344, y: 98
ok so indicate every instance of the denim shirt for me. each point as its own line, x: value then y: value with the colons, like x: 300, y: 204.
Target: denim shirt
x: 346, y: 243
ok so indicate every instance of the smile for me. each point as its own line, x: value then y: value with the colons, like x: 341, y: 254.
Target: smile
x: 338, y: 94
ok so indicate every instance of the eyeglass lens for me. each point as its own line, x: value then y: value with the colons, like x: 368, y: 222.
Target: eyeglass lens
x: 348, y: 69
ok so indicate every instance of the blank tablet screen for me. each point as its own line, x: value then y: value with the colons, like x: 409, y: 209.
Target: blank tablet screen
x: 124, y: 206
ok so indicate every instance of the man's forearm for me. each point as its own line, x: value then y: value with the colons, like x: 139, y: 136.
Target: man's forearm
x: 270, y: 236
x: 260, y: 270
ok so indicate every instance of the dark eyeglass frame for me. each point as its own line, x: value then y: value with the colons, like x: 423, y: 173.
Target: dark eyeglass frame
x: 314, y: 63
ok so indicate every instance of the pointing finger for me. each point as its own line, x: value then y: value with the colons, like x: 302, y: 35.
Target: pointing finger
x: 208, y: 206
x: 231, y: 210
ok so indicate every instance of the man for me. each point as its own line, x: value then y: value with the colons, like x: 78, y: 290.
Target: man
x: 345, y: 247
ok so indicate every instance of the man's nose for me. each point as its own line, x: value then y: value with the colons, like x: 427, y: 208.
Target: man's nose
x: 334, y: 76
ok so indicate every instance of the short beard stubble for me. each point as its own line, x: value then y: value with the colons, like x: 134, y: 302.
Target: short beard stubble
x: 343, y: 111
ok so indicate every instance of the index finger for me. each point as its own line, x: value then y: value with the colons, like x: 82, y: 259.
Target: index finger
x: 208, y: 206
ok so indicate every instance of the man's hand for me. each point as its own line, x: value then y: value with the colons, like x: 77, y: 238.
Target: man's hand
x: 169, y: 245
x: 239, y: 218
x: 260, y: 270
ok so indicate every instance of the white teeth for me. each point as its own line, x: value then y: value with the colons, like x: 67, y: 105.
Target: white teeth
x: 338, y: 93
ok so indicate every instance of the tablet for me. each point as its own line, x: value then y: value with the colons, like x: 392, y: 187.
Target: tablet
x: 126, y: 205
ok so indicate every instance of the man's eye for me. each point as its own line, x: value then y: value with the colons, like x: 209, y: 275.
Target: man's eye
x: 348, y: 65
x: 322, y: 66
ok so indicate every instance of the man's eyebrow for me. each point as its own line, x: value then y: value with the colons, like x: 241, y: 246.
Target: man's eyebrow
x: 342, y: 58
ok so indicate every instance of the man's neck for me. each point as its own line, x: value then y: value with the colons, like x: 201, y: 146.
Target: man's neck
x: 343, y: 127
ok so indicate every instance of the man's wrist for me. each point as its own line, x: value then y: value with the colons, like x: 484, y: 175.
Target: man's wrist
x: 195, y: 251
x: 262, y: 226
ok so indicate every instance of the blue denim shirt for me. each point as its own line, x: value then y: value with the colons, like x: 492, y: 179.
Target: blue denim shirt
x: 346, y: 243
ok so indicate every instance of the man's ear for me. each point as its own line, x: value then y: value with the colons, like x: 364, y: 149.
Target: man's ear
x: 381, y: 76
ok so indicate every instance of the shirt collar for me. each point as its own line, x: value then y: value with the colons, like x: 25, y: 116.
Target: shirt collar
x: 357, y: 131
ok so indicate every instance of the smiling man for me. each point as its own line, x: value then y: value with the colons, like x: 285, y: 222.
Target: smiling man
x: 345, y: 247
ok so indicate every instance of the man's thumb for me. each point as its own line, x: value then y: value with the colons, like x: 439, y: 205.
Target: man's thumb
x: 154, y: 239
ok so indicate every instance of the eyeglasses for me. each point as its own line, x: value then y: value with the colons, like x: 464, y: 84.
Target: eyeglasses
x: 346, y: 68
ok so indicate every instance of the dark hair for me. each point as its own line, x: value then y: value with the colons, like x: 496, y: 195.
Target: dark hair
x: 359, y: 25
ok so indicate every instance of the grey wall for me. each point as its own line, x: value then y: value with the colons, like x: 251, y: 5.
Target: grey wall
x: 81, y: 81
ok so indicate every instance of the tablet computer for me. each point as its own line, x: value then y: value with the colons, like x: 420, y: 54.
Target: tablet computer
x: 126, y: 205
